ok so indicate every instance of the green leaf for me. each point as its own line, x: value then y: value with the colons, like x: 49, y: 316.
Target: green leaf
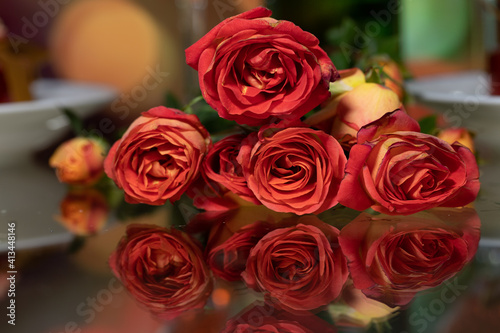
x: 75, y: 121
x: 171, y: 101
x: 428, y: 124
x: 373, y: 76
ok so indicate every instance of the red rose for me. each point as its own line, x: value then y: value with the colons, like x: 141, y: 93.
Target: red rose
x: 253, y: 68
x: 263, y: 317
x: 159, y: 156
x: 391, y: 258
x: 403, y: 172
x: 302, y: 267
x: 296, y: 169
x: 222, y: 184
x: 163, y: 269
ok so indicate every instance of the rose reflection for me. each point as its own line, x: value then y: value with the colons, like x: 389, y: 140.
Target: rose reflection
x: 391, y: 258
x: 84, y: 211
x: 299, y: 264
x: 263, y: 317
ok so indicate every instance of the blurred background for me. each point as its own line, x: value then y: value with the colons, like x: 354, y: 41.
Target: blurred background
x: 137, y: 46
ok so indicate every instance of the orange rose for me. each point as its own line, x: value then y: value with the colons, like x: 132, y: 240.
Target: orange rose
x: 294, y: 169
x: 79, y: 161
x: 84, y: 211
x: 159, y: 156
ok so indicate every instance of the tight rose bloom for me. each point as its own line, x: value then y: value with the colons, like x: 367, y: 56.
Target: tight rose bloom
x: 295, y: 169
x: 221, y: 167
x: 163, y: 269
x: 264, y: 317
x: 84, y: 211
x: 159, y: 156
x: 253, y: 69
x: 358, y: 104
x: 391, y: 258
x: 404, y: 172
x: 79, y: 161
x: 301, y: 267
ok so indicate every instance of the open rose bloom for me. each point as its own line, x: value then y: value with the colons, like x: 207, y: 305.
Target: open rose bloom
x: 253, y: 68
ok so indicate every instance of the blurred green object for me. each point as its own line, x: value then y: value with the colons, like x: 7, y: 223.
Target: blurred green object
x: 434, y: 29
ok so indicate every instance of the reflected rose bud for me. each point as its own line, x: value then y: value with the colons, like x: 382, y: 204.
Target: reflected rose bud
x: 301, y: 266
x: 363, y: 103
x: 457, y: 134
x: 79, y: 161
x: 391, y: 258
x: 84, y: 211
x: 264, y: 317
x: 354, y: 309
x: 163, y: 269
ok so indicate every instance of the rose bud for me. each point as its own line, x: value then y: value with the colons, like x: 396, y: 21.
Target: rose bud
x: 222, y: 184
x: 163, y: 269
x: 392, y: 74
x: 396, y: 170
x: 79, y: 161
x: 263, y: 317
x: 84, y: 211
x: 391, y: 258
x: 254, y: 69
x: 457, y: 134
x: 159, y: 156
x: 347, y: 112
x: 301, y: 267
x: 294, y: 169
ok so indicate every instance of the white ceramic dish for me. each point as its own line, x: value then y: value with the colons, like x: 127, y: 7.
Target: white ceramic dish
x: 28, y: 126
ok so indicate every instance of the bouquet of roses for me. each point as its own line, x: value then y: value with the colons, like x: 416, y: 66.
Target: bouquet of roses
x: 360, y: 149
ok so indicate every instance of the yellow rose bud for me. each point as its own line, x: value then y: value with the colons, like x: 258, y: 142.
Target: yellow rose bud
x: 79, y: 161
x: 458, y: 134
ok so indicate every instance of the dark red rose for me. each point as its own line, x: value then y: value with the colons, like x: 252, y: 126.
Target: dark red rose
x: 253, y: 68
x: 398, y: 171
x: 294, y: 169
x: 391, y: 258
x: 301, y: 267
x: 222, y: 185
x: 263, y: 317
x: 159, y: 156
x: 163, y: 269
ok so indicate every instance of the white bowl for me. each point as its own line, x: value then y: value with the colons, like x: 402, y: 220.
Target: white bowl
x: 28, y: 126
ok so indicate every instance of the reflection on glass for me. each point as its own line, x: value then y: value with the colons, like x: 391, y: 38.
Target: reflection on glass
x: 307, y: 273
x: 84, y: 211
